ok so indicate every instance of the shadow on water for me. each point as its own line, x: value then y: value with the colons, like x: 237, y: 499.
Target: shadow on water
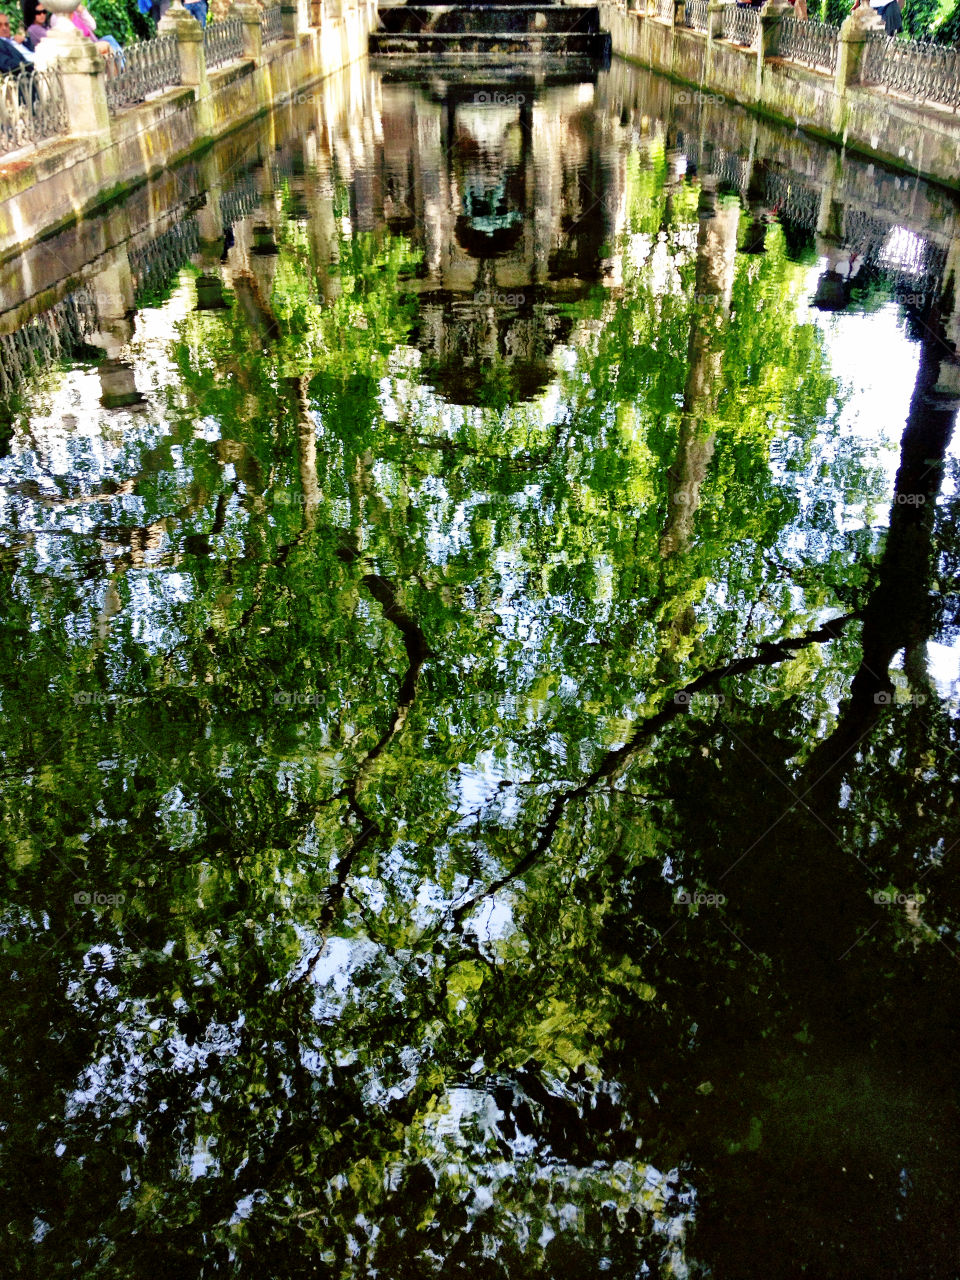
x: 480, y: 718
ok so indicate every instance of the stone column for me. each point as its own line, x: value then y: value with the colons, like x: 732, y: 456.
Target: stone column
x: 850, y: 47
x: 249, y: 14
x: 193, y: 61
x: 715, y: 10
x: 771, y: 17
x: 295, y: 18
x: 112, y: 287
x: 82, y: 71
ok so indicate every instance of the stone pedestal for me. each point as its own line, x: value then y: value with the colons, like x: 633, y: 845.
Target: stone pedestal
x: 82, y: 71
x: 768, y: 41
x: 118, y: 385
x: 853, y: 37
x: 252, y: 31
x: 210, y: 296
x: 295, y: 17
x: 771, y: 16
x: 193, y: 60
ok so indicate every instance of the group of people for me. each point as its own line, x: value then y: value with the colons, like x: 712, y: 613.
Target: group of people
x: 17, y: 51
x: 887, y: 10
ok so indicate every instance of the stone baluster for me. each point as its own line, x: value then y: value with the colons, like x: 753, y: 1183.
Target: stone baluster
x: 715, y: 10
x: 769, y: 30
x: 249, y: 15
x: 193, y: 61
x: 82, y: 71
x: 850, y: 46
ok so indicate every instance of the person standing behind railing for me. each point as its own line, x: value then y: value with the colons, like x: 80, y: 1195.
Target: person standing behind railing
x: 86, y: 24
x: 14, y: 54
x: 157, y: 9
x: 35, y: 19
x: 199, y: 10
x: 891, y: 15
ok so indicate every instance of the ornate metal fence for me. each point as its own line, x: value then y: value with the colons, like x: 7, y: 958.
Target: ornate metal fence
x: 791, y: 198
x: 741, y: 26
x: 930, y: 72
x: 223, y: 41
x: 695, y: 14
x: 665, y: 10
x: 239, y: 201
x: 814, y: 44
x: 908, y: 259
x: 271, y: 24
x: 154, y: 265
x: 52, y: 336
x: 730, y: 168
x: 141, y: 69
x: 32, y: 108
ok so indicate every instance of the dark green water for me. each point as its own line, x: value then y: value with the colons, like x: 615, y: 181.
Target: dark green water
x: 479, y: 731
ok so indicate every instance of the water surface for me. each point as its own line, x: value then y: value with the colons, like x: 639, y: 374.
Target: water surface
x: 480, y: 718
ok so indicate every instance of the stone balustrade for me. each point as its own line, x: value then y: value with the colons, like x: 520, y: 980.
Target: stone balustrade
x: 895, y: 99
x: 140, y: 69
x: 32, y: 108
x: 35, y: 104
x: 80, y: 126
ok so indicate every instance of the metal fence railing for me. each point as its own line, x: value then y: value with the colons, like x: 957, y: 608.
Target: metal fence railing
x: 155, y: 264
x: 813, y: 44
x: 740, y: 26
x: 695, y: 15
x: 223, y: 41
x: 915, y: 68
x: 239, y: 200
x: 32, y: 108
x: 54, y: 335
x: 665, y: 10
x: 141, y: 69
x: 271, y: 24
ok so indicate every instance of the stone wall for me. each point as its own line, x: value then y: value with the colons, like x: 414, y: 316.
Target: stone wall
x: 918, y: 137
x: 58, y: 182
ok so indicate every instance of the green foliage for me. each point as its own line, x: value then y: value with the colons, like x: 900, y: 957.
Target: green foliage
x: 937, y: 20
x: 121, y: 19
x: 365, y: 702
x: 832, y: 11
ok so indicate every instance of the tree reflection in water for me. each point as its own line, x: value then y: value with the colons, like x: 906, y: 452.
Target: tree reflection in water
x: 466, y: 809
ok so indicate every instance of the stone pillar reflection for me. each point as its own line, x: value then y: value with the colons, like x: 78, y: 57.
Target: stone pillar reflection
x: 210, y: 295
x: 113, y: 289
x: 672, y: 183
x: 322, y: 231
x: 716, y: 261
x: 951, y: 292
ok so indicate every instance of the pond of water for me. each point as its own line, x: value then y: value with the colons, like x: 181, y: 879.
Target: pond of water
x: 479, y: 670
